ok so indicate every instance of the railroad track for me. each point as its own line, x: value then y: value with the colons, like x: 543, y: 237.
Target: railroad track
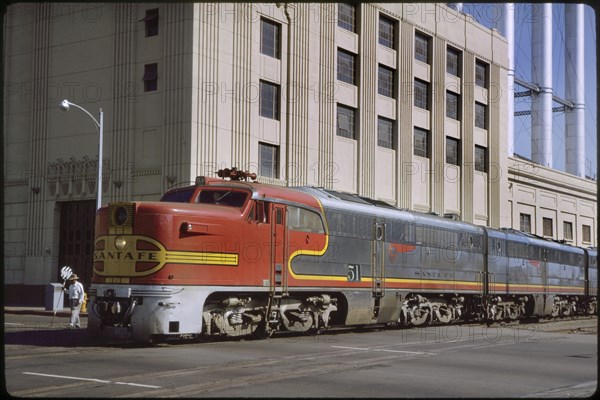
x: 557, y: 324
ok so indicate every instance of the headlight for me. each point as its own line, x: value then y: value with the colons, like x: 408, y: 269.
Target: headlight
x: 120, y: 242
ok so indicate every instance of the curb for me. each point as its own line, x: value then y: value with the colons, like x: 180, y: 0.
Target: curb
x: 24, y: 311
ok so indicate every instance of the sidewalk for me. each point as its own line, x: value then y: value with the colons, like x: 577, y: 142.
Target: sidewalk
x: 65, y: 312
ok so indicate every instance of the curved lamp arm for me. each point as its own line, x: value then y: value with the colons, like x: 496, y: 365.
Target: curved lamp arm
x: 64, y: 105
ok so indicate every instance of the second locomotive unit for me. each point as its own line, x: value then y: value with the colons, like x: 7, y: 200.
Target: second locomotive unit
x: 232, y: 257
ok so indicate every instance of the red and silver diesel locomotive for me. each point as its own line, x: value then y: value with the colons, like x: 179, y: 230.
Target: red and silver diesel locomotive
x: 232, y: 257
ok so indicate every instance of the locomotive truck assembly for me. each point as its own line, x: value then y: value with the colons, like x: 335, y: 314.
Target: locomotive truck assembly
x: 234, y: 257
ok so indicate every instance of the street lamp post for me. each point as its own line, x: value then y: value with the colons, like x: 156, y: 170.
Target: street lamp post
x: 64, y: 105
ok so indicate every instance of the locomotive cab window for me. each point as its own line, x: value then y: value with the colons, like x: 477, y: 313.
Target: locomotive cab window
x: 259, y: 213
x: 300, y: 219
x: 223, y: 197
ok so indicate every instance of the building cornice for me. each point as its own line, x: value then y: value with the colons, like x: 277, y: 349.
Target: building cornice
x: 535, y: 175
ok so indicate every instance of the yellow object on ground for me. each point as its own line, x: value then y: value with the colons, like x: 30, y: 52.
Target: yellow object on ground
x: 84, y: 305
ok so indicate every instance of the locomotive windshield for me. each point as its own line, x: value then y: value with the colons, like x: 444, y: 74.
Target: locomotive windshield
x: 179, y: 196
x: 224, y: 197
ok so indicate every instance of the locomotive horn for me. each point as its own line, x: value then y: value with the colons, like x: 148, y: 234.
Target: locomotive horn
x: 235, y: 175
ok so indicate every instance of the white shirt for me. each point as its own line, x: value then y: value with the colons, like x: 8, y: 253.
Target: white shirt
x: 76, y: 291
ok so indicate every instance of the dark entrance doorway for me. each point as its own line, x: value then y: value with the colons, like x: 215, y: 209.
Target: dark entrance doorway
x: 76, y: 246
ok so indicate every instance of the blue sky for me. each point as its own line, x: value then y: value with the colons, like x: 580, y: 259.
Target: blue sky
x: 490, y: 15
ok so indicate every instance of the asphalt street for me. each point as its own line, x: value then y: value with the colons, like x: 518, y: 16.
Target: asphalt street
x: 544, y: 360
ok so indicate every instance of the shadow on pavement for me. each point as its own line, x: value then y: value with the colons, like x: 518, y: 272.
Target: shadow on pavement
x: 63, y: 337
x: 50, y: 337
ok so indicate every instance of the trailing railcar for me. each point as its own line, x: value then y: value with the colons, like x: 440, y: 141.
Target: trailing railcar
x: 232, y: 257
x: 396, y: 263
x: 534, y: 276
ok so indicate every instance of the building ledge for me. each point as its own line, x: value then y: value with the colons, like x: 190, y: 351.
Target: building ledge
x: 530, y: 173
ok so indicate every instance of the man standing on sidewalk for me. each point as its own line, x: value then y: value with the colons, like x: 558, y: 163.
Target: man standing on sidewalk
x: 76, y: 296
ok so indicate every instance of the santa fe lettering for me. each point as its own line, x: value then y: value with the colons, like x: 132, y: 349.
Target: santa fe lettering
x: 125, y: 256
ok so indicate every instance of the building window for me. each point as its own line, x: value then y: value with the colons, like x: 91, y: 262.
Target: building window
x: 568, y: 230
x: 421, y: 147
x: 586, y: 233
x: 453, y: 61
x: 150, y: 77
x: 385, y: 81
x: 481, y: 162
x: 387, y: 28
x: 151, y: 22
x: 270, y: 38
x: 452, y: 151
x: 421, y: 94
x: 452, y: 104
x: 346, y: 65
x: 422, y: 47
x: 347, y: 16
x: 481, y: 74
x: 547, y: 226
x: 269, y: 100
x: 525, y: 222
x: 345, y: 122
x: 268, y: 160
x: 385, y: 133
x: 480, y: 115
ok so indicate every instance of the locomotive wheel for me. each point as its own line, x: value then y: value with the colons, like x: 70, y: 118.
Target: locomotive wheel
x: 444, y: 315
x: 591, y: 309
x: 420, y: 316
x: 308, y: 326
x: 297, y: 324
x: 261, y: 331
x: 513, y: 312
x: 494, y: 313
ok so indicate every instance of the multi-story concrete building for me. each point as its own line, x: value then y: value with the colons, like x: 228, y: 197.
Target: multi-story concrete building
x: 404, y: 103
